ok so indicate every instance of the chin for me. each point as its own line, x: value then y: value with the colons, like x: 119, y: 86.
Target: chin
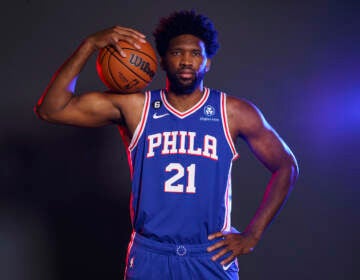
x: 185, y: 87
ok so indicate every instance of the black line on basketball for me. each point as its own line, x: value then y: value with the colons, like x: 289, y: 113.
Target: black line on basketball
x: 104, y: 72
x: 102, y: 57
x: 110, y: 73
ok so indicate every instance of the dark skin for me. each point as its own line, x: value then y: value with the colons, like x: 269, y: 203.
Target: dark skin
x: 93, y: 109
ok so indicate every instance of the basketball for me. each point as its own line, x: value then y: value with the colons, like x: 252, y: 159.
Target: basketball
x: 127, y: 74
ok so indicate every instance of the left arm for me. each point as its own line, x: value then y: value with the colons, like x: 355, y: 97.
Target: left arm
x: 247, y: 122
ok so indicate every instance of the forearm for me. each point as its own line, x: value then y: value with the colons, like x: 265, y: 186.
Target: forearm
x: 276, y: 193
x: 62, y: 86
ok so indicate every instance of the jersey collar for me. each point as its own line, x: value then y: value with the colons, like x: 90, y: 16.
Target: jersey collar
x: 191, y: 110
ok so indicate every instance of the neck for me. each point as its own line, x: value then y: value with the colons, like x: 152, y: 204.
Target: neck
x: 183, y: 101
x: 169, y: 88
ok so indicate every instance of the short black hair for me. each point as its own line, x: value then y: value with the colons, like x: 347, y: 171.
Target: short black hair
x: 186, y: 22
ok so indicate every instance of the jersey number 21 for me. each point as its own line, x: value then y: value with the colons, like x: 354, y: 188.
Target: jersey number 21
x: 171, y: 184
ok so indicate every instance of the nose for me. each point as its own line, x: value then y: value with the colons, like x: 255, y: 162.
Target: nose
x: 186, y: 59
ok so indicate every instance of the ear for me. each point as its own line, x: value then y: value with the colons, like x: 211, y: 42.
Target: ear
x: 208, y: 65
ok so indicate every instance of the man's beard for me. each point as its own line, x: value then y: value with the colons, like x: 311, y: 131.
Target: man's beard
x: 178, y: 86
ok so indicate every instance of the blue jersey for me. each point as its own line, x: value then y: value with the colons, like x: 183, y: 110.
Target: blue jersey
x: 180, y: 166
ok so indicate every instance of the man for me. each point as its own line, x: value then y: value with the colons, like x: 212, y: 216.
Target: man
x: 181, y: 148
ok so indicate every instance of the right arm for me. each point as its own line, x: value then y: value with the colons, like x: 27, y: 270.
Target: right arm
x: 58, y: 104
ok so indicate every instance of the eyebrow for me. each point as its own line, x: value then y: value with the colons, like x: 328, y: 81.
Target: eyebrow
x: 181, y: 48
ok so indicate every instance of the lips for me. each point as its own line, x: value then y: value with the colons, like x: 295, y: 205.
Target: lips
x: 185, y: 74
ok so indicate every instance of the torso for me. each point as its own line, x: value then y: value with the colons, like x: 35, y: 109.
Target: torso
x: 181, y: 162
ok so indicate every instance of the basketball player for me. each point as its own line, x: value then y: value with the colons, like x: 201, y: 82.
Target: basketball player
x: 180, y: 142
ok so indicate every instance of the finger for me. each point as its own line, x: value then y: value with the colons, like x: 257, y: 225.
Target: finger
x: 130, y: 33
x: 137, y: 33
x: 122, y: 53
x: 115, y: 39
x: 228, y: 260
x: 132, y: 41
x: 127, y: 39
x: 220, y: 254
x: 215, y: 235
x: 215, y: 246
x: 117, y: 47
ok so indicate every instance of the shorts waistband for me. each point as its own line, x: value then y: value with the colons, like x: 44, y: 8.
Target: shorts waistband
x: 172, y: 249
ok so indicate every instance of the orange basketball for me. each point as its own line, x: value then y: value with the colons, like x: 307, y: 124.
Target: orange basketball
x: 127, y: 74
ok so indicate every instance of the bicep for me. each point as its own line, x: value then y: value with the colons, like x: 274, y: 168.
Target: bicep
x: 268, y: 146
x: 89, y: 110
x: 247, y: 122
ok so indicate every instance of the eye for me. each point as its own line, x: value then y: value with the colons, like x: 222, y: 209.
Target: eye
x: 175, y: 52
x: 196, y: 53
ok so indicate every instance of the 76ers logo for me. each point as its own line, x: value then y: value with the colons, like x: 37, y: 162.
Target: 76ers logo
x: 209, y: 111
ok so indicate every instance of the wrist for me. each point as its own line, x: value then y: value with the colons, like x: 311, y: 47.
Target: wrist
x: 88, y: 45
x: 255, y: 233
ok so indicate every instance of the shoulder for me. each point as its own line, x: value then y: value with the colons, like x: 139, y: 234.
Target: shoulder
x: 241, y: 107
x: 236, y: 104
x: 135, y: 100
x: 244, y: 117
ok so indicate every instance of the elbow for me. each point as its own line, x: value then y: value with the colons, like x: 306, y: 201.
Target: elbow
x: 293, y: 169
x: 41, y: 114
x: 40, y: 110
x: 288, y: 170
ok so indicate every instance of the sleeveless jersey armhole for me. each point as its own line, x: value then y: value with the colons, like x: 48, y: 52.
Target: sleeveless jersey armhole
x: 141, y: 125
x: 224, y: 120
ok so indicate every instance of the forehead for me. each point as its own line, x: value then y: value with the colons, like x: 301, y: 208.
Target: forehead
x: 186, y: 41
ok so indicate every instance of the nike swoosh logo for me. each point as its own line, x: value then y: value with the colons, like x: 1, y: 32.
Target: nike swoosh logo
x: 156, y: 116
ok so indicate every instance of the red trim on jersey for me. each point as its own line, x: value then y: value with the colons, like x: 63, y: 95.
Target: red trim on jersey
x: 182, y: 115
x: 227, y: 218
x: 139, y: 130
x: 128, y: 252
x: 124, y: 136
x: 226, y: 198
x: 226, y: 126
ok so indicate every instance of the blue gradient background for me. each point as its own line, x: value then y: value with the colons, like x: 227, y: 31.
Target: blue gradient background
x: 64, y: 190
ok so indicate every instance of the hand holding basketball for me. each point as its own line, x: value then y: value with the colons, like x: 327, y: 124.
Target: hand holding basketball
x: 113, y: 35
x: 126, y: 62
x: 130, y: 72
